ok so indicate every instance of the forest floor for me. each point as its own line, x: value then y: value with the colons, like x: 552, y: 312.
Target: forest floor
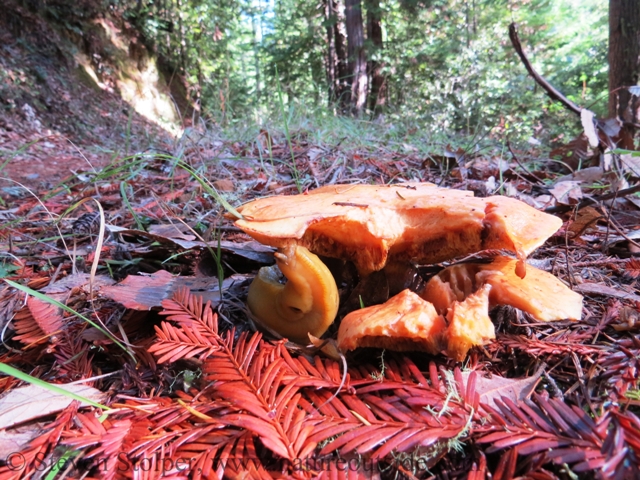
x: 102, y: 263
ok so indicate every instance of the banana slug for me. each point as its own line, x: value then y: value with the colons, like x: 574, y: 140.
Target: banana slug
x: 307, y: 303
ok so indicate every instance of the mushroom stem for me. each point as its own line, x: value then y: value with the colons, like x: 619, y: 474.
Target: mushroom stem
x: 307, y: 303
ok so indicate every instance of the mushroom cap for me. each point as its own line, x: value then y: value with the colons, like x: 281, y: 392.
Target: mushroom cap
x: 407, y: 322
x: 469, y: 324
x: 417, y: 222
x: 404, y: 322
x: 539, y: 293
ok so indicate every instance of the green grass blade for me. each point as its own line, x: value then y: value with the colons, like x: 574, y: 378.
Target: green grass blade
x: 25, y: 377
x: 47, y: 299
x: 211, y: 190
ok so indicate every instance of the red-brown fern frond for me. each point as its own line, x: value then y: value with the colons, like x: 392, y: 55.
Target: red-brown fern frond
x: 37, y: 322
x: 632, y: 268
x: 551, y: 432
x: 536, y: 348
x: 264, y: 403
x: 90, y: 432
x: 175, y: 343
x: 258, y: 391
x: 187, y: 309
x: 630, y: 426
x: 206, y: 450
x: 396, y: 414
x: 108, y: 444
x: 73, y: 360
x: 621, y: 365
x: 240, y: 459
x: 196, y: 334
x: 247, y: 374
x: 323, y: 373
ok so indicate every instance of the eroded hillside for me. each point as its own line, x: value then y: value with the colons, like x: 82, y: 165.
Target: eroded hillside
x: 77, y: 88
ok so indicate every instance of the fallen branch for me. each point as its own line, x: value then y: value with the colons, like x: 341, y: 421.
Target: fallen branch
x: 550, y: 89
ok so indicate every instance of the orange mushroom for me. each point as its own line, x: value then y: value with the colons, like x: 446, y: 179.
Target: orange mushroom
x: 416, y: 222
x: 369, y: 225
x: 307, y: 303
x: 469, y: 324
x: 540, y: 294
x: 408, y: 322
x: 405, y: 322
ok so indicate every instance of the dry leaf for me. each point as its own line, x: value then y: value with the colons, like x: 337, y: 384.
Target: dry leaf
x: 586, y: 175
x: 631, y: 164
x: 15, y: 440
x: 29, y: 402
x: 567, y: 192
x: 144, y: 292
x: 586, y: 218
x: 315, y: 153
x: 224, y: 185
x: 172, y: 231
x: 62, y: 287
x: 251, y: 250
x: 587, y: 117
x: 495, y: 387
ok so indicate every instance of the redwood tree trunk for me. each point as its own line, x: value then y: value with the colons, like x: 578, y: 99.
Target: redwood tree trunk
x: 341, y: 67
x: 357, y: 56
x: 331, y: 62
x: 624, y: 53
x: 374, y: 33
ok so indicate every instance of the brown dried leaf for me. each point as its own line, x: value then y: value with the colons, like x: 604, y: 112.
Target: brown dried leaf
x: 144, y: 292
x: 496, y: 387
x: 27, y: 403
x: 567, y: 192
x: 586, y: 218
x: 588, y: 124
x: 573, y: 152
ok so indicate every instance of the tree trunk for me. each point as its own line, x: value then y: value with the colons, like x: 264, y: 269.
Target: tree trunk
x: 357, y: 56
x: 342, y: 68
x: 331, y: 62
x: 624, y: 53
x: 374, y: 33
x: 182, y: 41
x: 257, y: 36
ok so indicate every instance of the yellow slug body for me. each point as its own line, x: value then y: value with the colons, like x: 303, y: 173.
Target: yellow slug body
x: 307, y: 303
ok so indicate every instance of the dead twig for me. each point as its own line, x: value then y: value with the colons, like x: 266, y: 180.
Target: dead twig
x: 524, y: 167
x: 553, y: 93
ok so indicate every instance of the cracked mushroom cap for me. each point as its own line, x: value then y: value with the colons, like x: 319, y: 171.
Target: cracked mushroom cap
x: 405, y: 322
x: 417, y: 222
x: 540, y: 294
x: 408, y: 322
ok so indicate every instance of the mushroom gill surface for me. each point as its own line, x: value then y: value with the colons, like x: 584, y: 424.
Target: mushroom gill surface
x: 469, y: 324
x: 306, y: 303
x: 540, y: 294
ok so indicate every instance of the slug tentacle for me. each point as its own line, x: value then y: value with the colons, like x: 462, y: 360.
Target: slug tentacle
x: 307, y: 303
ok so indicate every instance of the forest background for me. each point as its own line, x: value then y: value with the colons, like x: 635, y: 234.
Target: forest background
x: 436, y: 65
